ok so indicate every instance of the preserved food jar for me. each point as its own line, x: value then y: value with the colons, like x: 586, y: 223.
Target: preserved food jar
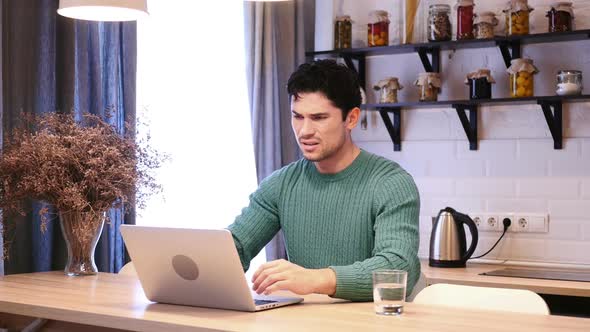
x: 439, y: 24
x: 480, y: 84
x: 522, y: 73
x: 561, y: 17
x: 464, y: 19
x: 569, y: 82
x: 342, y: 32
x: 387, y: 89
x: 378, y: 28
x: 429, y: 84
x: 484, y: 25
x: 517, y: 17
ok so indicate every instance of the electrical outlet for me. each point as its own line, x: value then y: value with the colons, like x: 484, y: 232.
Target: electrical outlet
x: 478, y: 219
x: 510, y: 217
x: 520, y: 224
x: 493, y: 223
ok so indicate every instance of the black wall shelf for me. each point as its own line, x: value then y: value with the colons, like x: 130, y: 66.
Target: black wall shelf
x: 459, y: 44
x: 550, y: 105
x: 429, y: 53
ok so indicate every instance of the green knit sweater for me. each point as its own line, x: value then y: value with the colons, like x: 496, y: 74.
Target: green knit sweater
x: 361, y: 219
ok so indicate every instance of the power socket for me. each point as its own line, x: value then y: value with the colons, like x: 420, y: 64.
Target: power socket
x: 493, y: 223
x: 533, y: 223
x: 522, y: 224
x: 509, y: 216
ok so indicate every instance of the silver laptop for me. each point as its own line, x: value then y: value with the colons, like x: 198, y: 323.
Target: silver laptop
x: 193, y: 267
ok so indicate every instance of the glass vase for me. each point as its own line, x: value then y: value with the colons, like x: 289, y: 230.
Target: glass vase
x: 81, y: 231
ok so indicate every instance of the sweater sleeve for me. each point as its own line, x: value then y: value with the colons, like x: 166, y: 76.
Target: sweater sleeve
x: 397, y: 205
x: 259, y: 221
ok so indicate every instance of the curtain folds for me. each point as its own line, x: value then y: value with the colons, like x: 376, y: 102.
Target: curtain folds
x: 52, y: 63
x: 277, y: 36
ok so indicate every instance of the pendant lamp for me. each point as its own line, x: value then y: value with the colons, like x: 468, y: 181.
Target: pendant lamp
x: 103, y: 10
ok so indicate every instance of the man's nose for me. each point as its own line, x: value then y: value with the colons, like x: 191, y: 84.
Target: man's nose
x: 307, y: 128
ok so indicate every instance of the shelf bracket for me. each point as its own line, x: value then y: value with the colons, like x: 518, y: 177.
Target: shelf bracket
x: 510, y: 50
x: 395, y: 128
x: 434, y: 52
x: 361, y: 67
x: 469, y: 125
x: 554, y: 120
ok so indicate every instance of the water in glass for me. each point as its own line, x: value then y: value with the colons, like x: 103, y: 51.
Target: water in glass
x: 389, y: 298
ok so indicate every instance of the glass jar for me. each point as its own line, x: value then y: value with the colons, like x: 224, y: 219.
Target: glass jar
x: 378, y: 28
x: 465, y: 19
x: 561, y: 17
x: 517, y: 17
x: 484, y: 25
x: 439, y: 24
x: 429, y: 84
x: 480, y: 84
x: 387, y: 89
x: 569, y: 82
x: 342, y: 32
x: 522, y: 73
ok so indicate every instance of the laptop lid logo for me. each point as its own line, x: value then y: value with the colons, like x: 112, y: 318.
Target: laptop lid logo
x: 185, y: 267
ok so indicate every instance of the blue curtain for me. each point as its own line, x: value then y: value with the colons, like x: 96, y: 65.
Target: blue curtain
x: 52, y: 63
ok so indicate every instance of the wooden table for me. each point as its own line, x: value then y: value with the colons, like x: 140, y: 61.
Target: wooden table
x: 470, y: 275
x: 118, y: 302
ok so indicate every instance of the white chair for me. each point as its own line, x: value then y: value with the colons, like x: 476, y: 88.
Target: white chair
x: 483, y: 298
x: 418, y: 287
x: 128, y: 269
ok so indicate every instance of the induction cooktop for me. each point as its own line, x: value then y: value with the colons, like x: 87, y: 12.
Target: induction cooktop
x: 541, y: 274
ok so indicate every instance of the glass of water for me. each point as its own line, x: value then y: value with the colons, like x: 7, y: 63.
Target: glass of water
x: 389, y: 291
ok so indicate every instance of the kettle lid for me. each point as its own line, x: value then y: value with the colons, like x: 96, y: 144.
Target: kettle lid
x: 448, y: 209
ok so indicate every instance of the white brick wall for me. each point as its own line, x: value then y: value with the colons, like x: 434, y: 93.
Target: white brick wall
x: 516, y: 167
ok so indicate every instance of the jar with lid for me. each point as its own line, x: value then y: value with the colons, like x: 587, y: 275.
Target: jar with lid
x: 429, y: 84
x: 569, y: 82
x: 378, y: 28
x: 522, y: 73
x: 464, y: 19
x: 387, y: 89
x: 439, y: 24
x: 342, y: 32
x: 561, y: 17
x: 517, y: 17
x: 480, y: 84
x: 484, y: 25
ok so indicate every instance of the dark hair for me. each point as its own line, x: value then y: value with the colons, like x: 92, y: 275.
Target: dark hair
x: 337, y: 82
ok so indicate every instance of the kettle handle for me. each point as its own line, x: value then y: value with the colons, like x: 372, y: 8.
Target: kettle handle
x: 472, y: 229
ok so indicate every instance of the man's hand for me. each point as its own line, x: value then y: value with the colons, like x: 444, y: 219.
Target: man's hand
x: 283, y: 275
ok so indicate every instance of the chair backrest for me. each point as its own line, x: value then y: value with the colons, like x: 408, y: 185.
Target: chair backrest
x: 418, y: 287
x: 128, y: 269
x: 483, y: 298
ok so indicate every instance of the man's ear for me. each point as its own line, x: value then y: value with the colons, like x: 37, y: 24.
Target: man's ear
x: 353, y: 118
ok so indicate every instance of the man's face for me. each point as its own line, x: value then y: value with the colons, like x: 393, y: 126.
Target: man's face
x: 318, y: 126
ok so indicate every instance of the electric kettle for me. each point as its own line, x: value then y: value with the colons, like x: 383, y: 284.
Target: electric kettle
x: 447, y: 240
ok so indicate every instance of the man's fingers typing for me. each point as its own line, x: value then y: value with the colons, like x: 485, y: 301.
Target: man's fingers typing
x: 263, y: 276
x: 279, y: 285
x: 269, y: 281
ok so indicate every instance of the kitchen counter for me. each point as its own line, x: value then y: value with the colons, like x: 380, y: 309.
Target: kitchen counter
x: 470, y: 275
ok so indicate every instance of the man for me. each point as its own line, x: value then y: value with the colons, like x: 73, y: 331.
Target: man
x: 344, y: 212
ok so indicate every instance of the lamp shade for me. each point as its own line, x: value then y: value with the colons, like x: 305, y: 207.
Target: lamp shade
x: 103, y: 10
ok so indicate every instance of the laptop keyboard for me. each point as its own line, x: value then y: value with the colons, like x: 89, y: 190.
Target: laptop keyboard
x: 261, y: 302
